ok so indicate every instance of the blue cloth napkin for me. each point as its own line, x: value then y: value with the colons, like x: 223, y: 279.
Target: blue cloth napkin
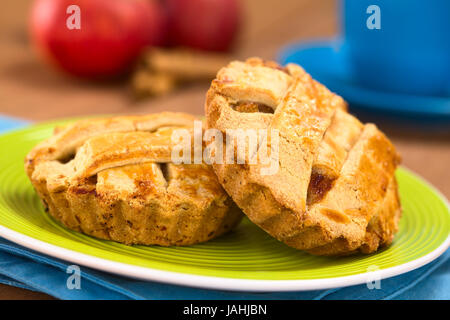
x: 31, y: 270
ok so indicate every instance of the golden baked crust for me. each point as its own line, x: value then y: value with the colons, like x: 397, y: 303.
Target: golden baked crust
x: 335, y: 191
x: 113, y: 179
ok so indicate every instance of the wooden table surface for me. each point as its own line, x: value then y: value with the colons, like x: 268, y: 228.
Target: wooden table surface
x: 31, y: 90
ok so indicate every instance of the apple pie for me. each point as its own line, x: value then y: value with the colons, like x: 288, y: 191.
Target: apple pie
x: 334, y: 191
x: 114, y: 179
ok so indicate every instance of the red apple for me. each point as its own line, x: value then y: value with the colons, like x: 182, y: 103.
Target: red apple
x: 111, y: 35
x: 203, y: 24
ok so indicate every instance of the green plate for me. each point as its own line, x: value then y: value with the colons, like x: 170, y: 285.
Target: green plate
x: 245, y: 259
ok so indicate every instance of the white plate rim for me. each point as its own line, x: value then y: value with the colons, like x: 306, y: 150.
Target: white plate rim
x: 223, y: 283
x: 209, y: 282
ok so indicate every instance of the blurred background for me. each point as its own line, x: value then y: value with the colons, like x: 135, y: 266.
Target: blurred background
x: 49, y: 72
x: 32, y: 89
x: 37, y: 68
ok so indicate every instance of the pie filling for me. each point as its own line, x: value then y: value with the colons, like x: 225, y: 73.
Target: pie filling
x: 251, y: 107
x: 319, y: 185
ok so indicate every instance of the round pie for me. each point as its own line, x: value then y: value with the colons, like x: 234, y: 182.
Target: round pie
x: 114, y: 179
x: 334, y: 190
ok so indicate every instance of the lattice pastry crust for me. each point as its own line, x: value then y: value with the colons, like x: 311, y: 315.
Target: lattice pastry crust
x: 113, y: 179
x: 335, y: 191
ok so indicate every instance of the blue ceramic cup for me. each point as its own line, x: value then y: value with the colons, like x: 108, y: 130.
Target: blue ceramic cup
x: 399, y: 46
